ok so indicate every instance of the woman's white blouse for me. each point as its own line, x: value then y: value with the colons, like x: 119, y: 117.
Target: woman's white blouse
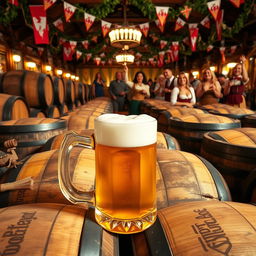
x: 175, y: 95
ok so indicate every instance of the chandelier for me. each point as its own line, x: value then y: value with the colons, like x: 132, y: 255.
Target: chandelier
x: 124, y: 58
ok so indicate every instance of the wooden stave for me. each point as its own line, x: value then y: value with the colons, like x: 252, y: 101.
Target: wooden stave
x: 59, y: 94
x: 64, y: 230
x: 69, y: 91
x: 249, y: 121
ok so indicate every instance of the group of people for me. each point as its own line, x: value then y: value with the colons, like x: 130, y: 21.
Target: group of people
x: 180, y: 91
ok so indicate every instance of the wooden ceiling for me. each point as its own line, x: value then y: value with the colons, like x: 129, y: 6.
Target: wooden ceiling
x: 21, y: 31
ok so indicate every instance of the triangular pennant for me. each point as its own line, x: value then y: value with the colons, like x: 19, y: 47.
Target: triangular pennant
x: 102, y: 55
x: 206, y: 22
x: 186, y: 11
x: 162, y: 13
x: 88, y: 56
x: 138, y: 55
x: 209, y: 48
x: 103, y: 62
x: 88, y: 20
x: 233, y: 49
x: 193, y: 31
x: 214, y: 7
x: 85, y: 43
x: 39, y: 24
x: 144, y: 28
x: 67, y: 51
x: 236, y: 3
x: 175, y: 50
x: 73, y: 45
x: 48, y: 3
x: 163, y: 43
x: 69, y: 10
x: 180, y: 23
x: 62, y: 40
x: 97, y: 60
x: 159, y: 25
x: 105, y: 27
x: 14, y: 2
x: 110, y: 61
x: 59, y: 24
x: 222, y: 52
x: 78, y: 54
x: 219, y: 22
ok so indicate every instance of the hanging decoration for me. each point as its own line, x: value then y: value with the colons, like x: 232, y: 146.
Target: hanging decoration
x: 73, y: 45
x: 138, y: 55
x: 186, y: 11
x: 85, y: 43
x: 161, y: 59
x: 88, y: 20
x: 163, y: 43
x: 144, y: 28
x: 97, y: 60
x: 88, y: 56
x: 62, y: 41
x: 162, y: 13
x: 39, y: 24
x: 105, y: 27
x: 94, y: 39
x: 214, y: 7
x: 48, y: 3
x: 233, y: 49
x: 59, y: 24
x: 193, y: 31
x: 14, y: 2
x: 67, y: 52
x: 222, y: 52
x: 78, y: 54
x: 180, y: 23
x: 219, y: 22
x: 236, y: 3
x: 175, y: 50
x: 69, y: 10
x: 206, y: 22
x: 209, y: 48
x: 158, y: 24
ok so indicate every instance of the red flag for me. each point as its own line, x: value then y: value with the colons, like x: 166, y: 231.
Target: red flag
x: 159, y: 25
x: 193, y: 31
x: 105, y: 27
x: 209, y: 48
x: 59, y: 24
x: 48, y: 3
x: 219, y: 21
x: 85, y: 43
x: 67, y: 51
x: 62, y: 40
x: 214, y: 7
x: 163, y: 43
x: 73, y: 45
x: 88, y: 56
x: 97, y: 60
x: 175, y: 50
x: 69, y: 11
x: 14, y: 2
x: 78, y: 54
x: 206, y: 22
x: 162, y: 13
x: 39, y: 24
x: 144, y: 28
x: 179, y: 24
x: 88, y: 20
x: 233, y: 49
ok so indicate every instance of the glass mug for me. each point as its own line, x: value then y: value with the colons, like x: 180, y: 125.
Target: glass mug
x: 125, y: 183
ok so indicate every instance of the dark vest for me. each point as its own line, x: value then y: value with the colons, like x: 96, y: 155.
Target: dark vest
x: 167, y: 95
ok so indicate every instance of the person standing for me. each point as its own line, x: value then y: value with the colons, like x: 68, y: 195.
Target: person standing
x: 98, y: 85
x: 170, y: 83
x: 118, y: 90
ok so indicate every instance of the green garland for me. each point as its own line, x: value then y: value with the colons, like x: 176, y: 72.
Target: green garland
x: 8, y: 12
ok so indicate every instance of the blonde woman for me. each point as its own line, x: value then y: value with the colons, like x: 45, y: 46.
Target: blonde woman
x: 183, y: 94
x: 209, y: 89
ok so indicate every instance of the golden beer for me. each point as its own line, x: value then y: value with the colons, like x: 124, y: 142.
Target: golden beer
x: 125, y: 175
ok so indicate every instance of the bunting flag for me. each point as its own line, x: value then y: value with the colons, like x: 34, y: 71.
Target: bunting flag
x: 48, y: 3
x: 175, y: 50
x: 85, y: 43
x: 102, y: 55
x: 151, y: 60
x: 67, y: 51
x: 159, y: 26
x: 138, y: 55
x: 186, y: 11
x: 69, y: 10
x: 78, y: 54
x: 162, y: 13
x: 214, y: 7
x: 193, y: 31
x: 180, y: 23
x: 163, y: 43
x: 88, y: 56
x: 97, y: 60
x: 209, y: 48
x: 73, y: 45
x: 110, y: 61
x: 144, y: 28
x: 233, y: 49
x: 219, y: 22
x: 206, y: 22
x: 62, y: 40
x: 160, y: 62
x: 39, y: 24
x: 103, y: 62
x: 222, y: 52
x: 14, y: 2
x: 59, y: 24
x: 88, y: 20
x: 95, y: 39
x: 236, y: 3
x: 143, y: 62
x: 105, y: 27
x: 40, y: 50
x: 137, y: 63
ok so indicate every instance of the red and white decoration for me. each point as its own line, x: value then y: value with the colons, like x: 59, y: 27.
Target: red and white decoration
x: 73, y: 45
x: 193, y: 31
x: 144, y: 28
x: 88, y: 20
x: 180, y: 23
x: 97, y: 60
x: 85, y: 43
x: 175, y: 50
x: 222, y: 52
x: 163, y: 43
x: 62, y: 40
x: 59, y: 24
x: 219, y: 22
x: 186, y: 11
x: 206, y: 22
x: 236, y: 3
x: 214, y: 7
x: 88, y: 56
x: 138, y: 55
x: 158, y: 24
x: 105, y: 27
x: 67, y: 51
x: 233, y: 49
x: 48, y: 3
x: 160, y: 62
x: 39, y: 24
x: 110, y: 61
x: 14, y: 2
x: 162, y: 13
x: 69, y: 10
x: 209, y: 48
x: 78, y: 54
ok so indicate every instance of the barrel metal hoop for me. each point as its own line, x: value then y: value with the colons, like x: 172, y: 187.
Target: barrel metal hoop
x: 157, y: 242
x: 22, y: 83
x: 41, y: 91
x: 1, y: 82
x: 7, y: 114
x: 91, y: 236
x: 169, y: 141
x: 216, y: 136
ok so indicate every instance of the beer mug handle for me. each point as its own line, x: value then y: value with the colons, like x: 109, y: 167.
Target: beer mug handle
x: 71, y: 140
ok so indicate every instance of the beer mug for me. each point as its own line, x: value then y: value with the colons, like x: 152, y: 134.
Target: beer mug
x: 125, y: 183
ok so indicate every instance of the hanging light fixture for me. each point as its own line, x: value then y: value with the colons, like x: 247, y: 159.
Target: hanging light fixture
x: 124, y: 58
x: 125, y: 37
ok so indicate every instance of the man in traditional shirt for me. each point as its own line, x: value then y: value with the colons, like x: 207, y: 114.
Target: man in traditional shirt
x: 118, y: 89
x: 170, y: 83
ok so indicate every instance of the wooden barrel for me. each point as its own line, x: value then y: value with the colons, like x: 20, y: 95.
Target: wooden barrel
x: 164, y: 116
x: 69, y: 91
x: 80, y: 92
x: 63, y: 109
x: 63, y: 230
x: 180, y: 177
x: 35, y: 87
x: 52, y: 112
x: 59, y: 91
x: 233, y: 152
x: 87, y: 92
x: 81, y: 122
x: 36, y: 112
x: 200, y: 228
x: 249, y: 121
x: 189, y: 129
x: 13, y: 107
x: 31, y: 133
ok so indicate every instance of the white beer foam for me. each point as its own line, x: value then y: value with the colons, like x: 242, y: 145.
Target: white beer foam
x: 125, y: 131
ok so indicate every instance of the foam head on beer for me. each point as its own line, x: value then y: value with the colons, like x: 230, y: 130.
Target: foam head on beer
x: 116, y: 130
